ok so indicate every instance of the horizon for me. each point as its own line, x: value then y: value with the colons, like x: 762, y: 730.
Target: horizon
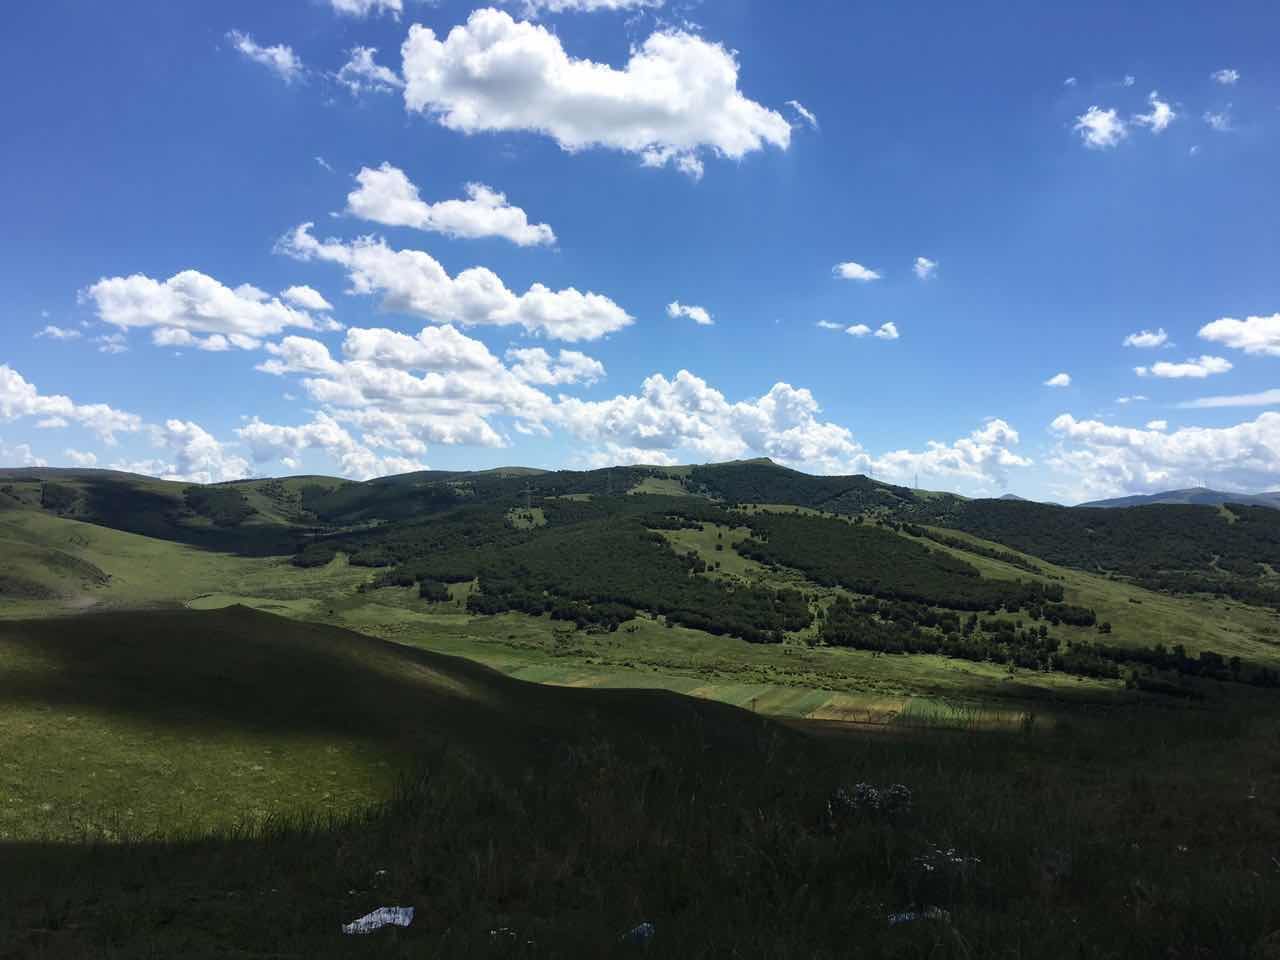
x: 981, y: 254
x: 641, y: 466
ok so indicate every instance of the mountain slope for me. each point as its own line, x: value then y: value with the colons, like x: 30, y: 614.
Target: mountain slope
x: 1201, y: 496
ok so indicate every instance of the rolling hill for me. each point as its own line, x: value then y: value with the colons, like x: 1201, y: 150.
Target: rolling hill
x: 1201, y: 496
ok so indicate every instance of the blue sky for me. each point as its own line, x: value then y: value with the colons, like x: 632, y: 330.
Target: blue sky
x: 975, y: 200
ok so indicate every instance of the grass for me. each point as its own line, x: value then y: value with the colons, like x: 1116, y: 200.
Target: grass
x: 537, y: 821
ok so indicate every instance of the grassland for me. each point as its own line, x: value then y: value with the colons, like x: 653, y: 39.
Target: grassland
x: 542, y: 821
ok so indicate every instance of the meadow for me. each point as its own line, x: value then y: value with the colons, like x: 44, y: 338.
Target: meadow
x: 212, y: 749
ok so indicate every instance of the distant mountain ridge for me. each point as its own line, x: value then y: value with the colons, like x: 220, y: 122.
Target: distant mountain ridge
x: 1198, y: 496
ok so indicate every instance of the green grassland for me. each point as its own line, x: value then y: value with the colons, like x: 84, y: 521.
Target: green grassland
x: 261, y: 749
x: 566, y: 816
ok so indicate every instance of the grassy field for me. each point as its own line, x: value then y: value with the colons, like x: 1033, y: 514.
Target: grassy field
x: 540, y: 821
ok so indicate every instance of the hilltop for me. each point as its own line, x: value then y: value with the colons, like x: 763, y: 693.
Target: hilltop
x: 1201, y: 496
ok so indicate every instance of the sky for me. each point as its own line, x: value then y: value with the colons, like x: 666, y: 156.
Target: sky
x: 980, y: 247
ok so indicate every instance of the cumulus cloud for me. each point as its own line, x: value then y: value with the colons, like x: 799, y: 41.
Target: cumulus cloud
x: 1100, y: 129
x: 829, y: 325
x: 279, y: 59
x: 1059, y: 380
x: 387, y: 196
x: 1196, y: 368
x: 925, y: 268
x: 535, y: 365
x: 356, y: 460
x: 1256, y: 335
x: 887, y: 331
x: 21, y: 455
x: 1070, y: 82
x: 1226, y: 76
x: 414, y: 282
x: 1264, y: 398
x: 1162, y: 114
x: 197, y: 455
x: 698, y: 315
x: 803, y: 113
x: 983, y: 457
x: 404, y: 392
x: 1146, y: 339
x: 54, y: 332
x: 307, y: 298
x: 685, y: 417
x: 1136, y: 398
x: 676, y: 99
x: 858, y: 330
x: 1157, y: 424
x: 851, y: 270
x: 363, y: 74
x: 20, y: 398
x: 1103, y: 460
x: 80, y: 458
x: 192, y: 303
x: 534, y: 7
x: 687, y: 414
x: 363, y: 8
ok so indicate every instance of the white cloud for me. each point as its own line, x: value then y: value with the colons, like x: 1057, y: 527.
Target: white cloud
x: 1103, y: 460
x: 925, y: 268
x: 1070, y: 82
x: 803, y: 113
x: 80, y: 458
x: 1129, y: 80
x: 1265, y: 398
x: 21, y: 456
x: 1257, y: 335
x: 279, y: 59
x: 414, y: 282
x: 685, y: 418
x: 1059, y: 380
x: 1146, y: 339
x: 306, y: 297
x: 440, y: 386
x: 54, y: 332
x: 888, y: 331
x: 676, y: 97
x: 983, y: 457
x: 192, y: 303
x: 387, y: 196
x: 829, y: 325
x: 1196, y: 368
x: 1193, y: 150
x: 20, y: 398
x: 1220, y: 121
x: 1226, y: 76
x: 685, y: 413
x: 858, y: 330
x: 1136, y: 398
x: 356, y: 460
x: 534, y: 7
x: 197, y: 456
x: 1100, y: 129
x: 112, y: 343
x: 363, y: 74
x: 1162, y: 114
x: 363, y: 8
x: 1157, y: 424
x: 323, y: 163
x: 534, y: 365
x: 851, y: 270
x: 698, y: 315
